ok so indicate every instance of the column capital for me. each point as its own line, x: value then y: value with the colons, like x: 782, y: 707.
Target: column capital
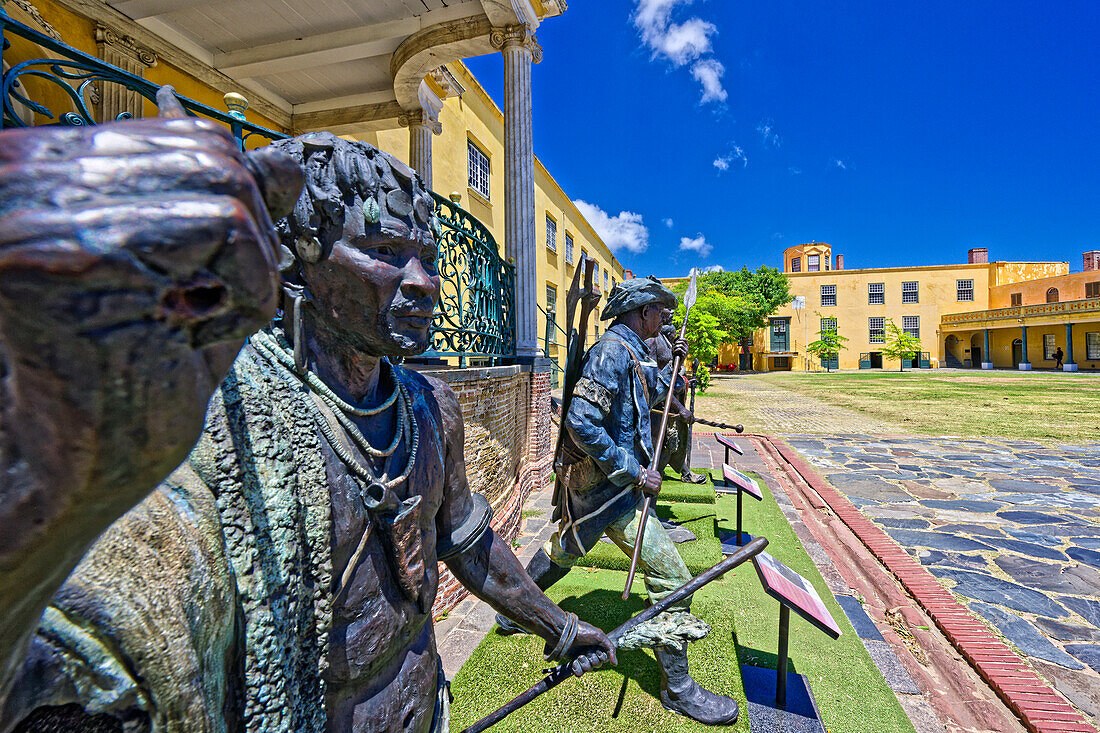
x: 420, y: 118
x: 124, y: 44
x: 516, y: 36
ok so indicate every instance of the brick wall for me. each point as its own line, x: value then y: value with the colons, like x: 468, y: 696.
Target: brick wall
x: 508, y: 448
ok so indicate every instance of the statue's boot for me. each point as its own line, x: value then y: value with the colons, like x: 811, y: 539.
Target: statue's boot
x: 681, y: 694
x: 545, y: 572
x: 690, y: 477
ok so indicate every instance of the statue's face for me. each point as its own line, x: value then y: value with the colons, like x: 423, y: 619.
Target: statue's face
x: 377, y: 291
x: 666, y: 316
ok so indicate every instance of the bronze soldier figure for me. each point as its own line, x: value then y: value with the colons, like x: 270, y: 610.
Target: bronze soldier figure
x: 676, y: 451
x: 604, y: 464
x: 282, y: 577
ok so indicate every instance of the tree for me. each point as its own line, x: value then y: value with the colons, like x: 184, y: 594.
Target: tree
x: 900, y: 344
x: 704, y: 336
x: 740, y: 301
x: 828, y: 346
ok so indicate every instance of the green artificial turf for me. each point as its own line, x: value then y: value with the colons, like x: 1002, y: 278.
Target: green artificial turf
x: 850, y: 692
x: 679, y: 492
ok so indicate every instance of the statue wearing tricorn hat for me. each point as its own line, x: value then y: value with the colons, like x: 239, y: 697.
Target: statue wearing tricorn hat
x: 605, y: 467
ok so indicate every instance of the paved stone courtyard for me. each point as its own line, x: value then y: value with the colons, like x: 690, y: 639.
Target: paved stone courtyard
x: 1012, y: 526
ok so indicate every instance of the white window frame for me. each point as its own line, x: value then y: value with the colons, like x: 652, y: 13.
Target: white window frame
x: 796, y: 264
x: 1049, y: 346
x: 828, y: 293
x: 605, y: 279
x: 911, y: 325
x: 910, y: 292
x: 551, y: 234
x: 478, y: 169
x: 825, y: 321
x: 876, y: 330
x: 876, y: 293
x: 1092, y: 345
x: 813, y: 263
x: 568, y: 248
x: 964, y: 291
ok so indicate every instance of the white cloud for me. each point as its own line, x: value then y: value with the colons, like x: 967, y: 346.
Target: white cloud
x: 669, y: 223
x: 697, y: 244
x: 767, y: 131
x: 840, y: 164
x: 714, y: 268
x: 708, y: 73
x: 625, y: 230
x: 794, y: 171
x: 681, y: 43
x: 723, y: 162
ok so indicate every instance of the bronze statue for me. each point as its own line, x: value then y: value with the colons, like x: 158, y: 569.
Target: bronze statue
x: 282, y: 577
x: 677, y: 446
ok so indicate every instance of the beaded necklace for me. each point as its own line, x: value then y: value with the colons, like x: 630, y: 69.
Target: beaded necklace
x: 284, y: 359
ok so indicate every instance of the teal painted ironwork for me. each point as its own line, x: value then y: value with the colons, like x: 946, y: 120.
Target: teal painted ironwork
x: 552, y: 328
x: 76, y: 74
x: 476, y: 311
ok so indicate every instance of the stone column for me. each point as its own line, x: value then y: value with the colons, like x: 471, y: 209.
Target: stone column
x: 519, y: 47
x: 121, y: 50
x: 421, y: 128
x: 987, y: 362
x: 1069, y: 365
x: 1025, y: 363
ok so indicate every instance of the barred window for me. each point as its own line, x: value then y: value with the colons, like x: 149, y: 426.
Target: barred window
x: 813, y: 263
x: 796, y: 264
x: 909, y: 292
x: 1092, y: 345
x: 1092, y: 290
x: 876, y: 293
x: 828, y: 295
x: 964, y: 290
x: 876, y: 330
x: 568, y: 248
x: 911, y: 325
x: 551, y: 234
x: 828, y: 324
x: 478, y: 166
x: 1048, y: 347
x: 1017, y: 298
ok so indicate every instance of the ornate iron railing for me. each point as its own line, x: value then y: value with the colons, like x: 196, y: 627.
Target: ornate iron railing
x: 476, y: 312
x: 78, y: 76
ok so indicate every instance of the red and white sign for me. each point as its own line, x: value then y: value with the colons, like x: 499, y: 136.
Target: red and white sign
x: 794, y: 591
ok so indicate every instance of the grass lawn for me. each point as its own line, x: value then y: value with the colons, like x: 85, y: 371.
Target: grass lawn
x: 850, y: 693
x: 1030, y: 405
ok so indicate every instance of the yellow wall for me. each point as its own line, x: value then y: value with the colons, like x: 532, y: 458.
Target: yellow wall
x: 802, y: 251
x: 1070, y: 287
x: 474, y: 116
x: 1013, y: 272
x: 79, y: 32
x: 1000, y: 342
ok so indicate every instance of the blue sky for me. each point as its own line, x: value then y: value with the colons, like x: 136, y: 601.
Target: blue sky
x: 718, y: 133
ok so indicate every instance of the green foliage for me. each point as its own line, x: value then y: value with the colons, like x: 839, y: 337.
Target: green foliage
x: 899, y: 344
x: 741, y: 300
x: 828, y: 346
x: 702, y: 378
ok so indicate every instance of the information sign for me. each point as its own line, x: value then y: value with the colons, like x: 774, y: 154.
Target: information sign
x: 741, y: 481
x: 794, y: 591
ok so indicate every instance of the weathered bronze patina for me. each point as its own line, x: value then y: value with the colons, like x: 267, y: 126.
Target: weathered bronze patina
x: 281, y: 579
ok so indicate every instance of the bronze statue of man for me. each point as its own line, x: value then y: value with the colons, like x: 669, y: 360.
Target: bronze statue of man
x: 676, y: 450
x: 281, y: 579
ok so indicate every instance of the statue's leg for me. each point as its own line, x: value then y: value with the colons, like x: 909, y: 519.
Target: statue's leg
x: 681, y: 461
x: 549, y: 565
x: 665, y: 571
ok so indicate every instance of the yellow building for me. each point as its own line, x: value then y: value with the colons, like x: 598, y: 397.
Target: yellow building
x: 1026, y: 323
x: 860, y: 302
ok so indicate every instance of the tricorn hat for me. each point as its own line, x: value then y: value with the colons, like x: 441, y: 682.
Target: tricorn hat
x: 626, y: 296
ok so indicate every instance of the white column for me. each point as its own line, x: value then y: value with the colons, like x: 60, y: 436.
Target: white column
x: 520, y: 49
x: 118, y: 49
x: 421, y: 128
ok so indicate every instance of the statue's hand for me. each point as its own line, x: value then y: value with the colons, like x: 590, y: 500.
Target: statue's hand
x: 680, y: 348
x: 650, y: 482
x: 591, y: 649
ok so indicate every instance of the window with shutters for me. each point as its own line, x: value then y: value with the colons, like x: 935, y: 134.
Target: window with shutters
x: 796, y: 264
x: 876, y: 330
x: 964, y: 291
x: 1017, y: 298
x: 1052, y: 295
x: 876, y: 293
x: 478, y: 166
x: 828, y: 295
x: 910, y: 292
x: 1092, y: 290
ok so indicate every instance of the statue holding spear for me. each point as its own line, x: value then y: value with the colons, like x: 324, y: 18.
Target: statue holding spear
x: 606, y: 468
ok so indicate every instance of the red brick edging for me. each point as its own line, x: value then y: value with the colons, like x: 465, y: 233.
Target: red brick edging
x: 1039, y: 707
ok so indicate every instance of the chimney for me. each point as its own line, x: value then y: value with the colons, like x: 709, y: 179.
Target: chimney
x: 978, y: 256
x: 1091, y: 261
x: 839, y: 262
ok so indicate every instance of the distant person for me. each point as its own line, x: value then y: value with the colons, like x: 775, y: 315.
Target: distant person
x: 1058, y: 356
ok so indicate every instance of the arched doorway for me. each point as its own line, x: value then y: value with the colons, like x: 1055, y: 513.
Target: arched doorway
x: 951, y: 352
x: 1017, y: 352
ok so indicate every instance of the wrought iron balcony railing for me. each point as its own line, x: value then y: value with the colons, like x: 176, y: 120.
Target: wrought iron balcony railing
x: 476, y: 313
x: 1088, y: 306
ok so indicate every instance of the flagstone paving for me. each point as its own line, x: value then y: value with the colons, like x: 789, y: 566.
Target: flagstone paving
x: 1011, y: 526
